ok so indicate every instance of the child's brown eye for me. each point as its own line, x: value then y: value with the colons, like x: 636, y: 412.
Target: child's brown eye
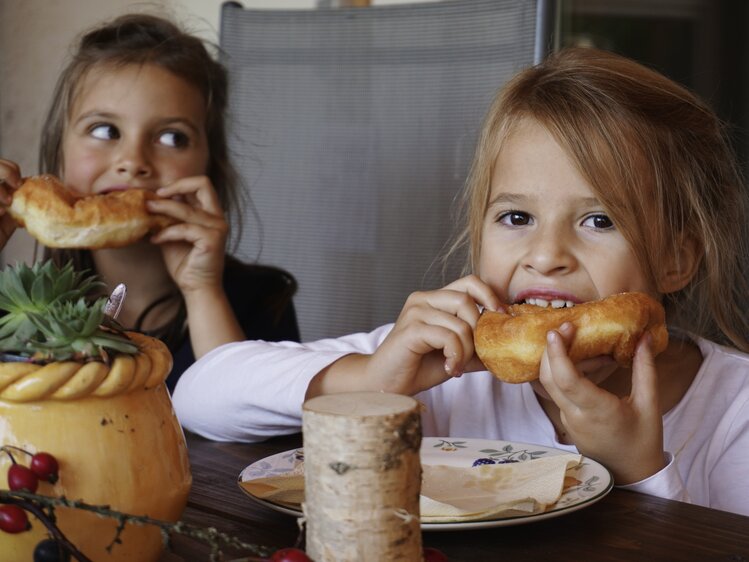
x: 176, y: 139
x: 601, y: 222
x: 104, y: 131
x: 515, y: 218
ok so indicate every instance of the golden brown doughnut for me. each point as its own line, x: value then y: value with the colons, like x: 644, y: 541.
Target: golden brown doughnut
x: 59, y: 218
x: 511, y: 344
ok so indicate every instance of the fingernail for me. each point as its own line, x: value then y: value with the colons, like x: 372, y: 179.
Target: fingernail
x: 451, y: 368
x: 551, y: 336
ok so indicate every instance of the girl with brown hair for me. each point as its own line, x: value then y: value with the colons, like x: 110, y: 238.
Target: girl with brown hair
x: 141, y: 105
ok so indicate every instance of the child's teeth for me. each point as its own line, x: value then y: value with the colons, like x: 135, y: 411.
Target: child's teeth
x: 556, y: 303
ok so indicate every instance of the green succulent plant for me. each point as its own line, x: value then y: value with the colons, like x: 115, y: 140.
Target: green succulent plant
x: 47, y: 315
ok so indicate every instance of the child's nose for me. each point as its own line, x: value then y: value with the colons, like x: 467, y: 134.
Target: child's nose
x: 133, y: 160
x: 549, y: 252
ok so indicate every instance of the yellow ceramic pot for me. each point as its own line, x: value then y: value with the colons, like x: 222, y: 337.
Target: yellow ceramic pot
x: 116, y: 438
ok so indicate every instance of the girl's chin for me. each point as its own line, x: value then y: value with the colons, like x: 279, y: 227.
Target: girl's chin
x: 139, y: 247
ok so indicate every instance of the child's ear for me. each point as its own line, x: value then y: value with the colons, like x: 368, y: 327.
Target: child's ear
x: 681, y: 266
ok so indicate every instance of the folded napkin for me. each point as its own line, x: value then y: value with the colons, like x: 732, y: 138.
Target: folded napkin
x: 494, y: 491
x: 457, y: 494
x: 286, y: 489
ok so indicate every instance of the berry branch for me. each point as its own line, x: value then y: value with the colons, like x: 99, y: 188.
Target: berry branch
x: 35, y: 503
x: 46, y: 518
x: 22, y: 498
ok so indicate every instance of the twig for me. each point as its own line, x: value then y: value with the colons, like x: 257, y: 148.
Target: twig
x: 209, y: 535
x: 53, y: 529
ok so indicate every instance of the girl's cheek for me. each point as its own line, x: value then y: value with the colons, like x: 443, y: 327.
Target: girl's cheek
x: 79, y: 171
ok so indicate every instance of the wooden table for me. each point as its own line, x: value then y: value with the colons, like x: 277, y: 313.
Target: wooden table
x: 622, y: 526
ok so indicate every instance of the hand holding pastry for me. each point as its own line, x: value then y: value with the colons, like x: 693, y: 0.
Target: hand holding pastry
x: 625, y: 434
x: 10, y: 179
x: 430, y: 343
x: 194, y: 247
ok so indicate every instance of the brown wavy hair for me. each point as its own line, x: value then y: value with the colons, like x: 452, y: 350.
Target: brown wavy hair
x: 658, y: 159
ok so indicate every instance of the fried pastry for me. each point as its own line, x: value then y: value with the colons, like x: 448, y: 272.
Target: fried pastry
x: 59, y: 218
x: 511, y: 344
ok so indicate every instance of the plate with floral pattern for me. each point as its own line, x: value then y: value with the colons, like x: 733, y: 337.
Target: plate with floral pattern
x: 594, y: 481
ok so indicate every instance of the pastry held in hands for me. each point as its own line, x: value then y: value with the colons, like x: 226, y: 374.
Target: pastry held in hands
x: 59, y: 218
x: 511, y: 344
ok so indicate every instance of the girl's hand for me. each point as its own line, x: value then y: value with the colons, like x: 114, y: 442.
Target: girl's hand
x: 432, y: 340
x: 194, y: 248
x: 625, y: 434
x: 194, y: 255
x: 10, y: 180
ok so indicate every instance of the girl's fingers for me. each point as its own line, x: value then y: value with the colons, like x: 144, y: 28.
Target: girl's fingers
x: 10, y: 172
x: 10, y: 179
x: 461, y: 298
x: 560, y: 377
x: 186, y: 213
x: 479, y: 292
x: 645, y: 377
x: 197, y: 235
x: 433, y: 337
x: 461, y: 335
x: 198, y: 187
x: 459, y: 305
x: 449, y: 316
x: 7, y: 227
x: 5, y: 197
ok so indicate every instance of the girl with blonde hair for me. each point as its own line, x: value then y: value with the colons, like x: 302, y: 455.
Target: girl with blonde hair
x: 593, y: 176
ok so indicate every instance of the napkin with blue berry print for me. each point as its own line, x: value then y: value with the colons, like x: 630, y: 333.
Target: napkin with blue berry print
x: 493, y: 491
x: 458, y: 494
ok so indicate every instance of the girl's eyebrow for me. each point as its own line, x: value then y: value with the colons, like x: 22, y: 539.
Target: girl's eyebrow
x: 515, y: 198
x: 520, y: 198
x: 179, y: 121
x: 94, y: 115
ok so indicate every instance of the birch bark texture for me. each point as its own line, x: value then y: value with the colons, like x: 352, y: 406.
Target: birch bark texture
x: 362, y: 477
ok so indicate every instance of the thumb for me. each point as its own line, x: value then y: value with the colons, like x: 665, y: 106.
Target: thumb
x: 645, y: 377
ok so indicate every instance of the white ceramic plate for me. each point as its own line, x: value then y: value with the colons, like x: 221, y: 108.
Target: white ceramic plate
x: 595, y: 479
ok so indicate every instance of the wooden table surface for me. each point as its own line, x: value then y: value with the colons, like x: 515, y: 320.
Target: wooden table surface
x: 622, y: 526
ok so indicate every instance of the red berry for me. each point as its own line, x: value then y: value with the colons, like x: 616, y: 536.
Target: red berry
x: 434, y: 555
x: 21, y: 478
x: 290, y: 555
x: 45, y: 466
x: 13, y: 519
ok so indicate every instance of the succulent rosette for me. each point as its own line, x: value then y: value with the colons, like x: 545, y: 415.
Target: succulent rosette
x: 47, y: 316
x: 75, y: 385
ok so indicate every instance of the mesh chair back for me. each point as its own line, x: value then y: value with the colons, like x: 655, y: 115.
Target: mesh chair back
x: 354, y: 129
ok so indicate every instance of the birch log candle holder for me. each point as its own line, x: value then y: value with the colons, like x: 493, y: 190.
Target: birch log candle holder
x: 362, y: 477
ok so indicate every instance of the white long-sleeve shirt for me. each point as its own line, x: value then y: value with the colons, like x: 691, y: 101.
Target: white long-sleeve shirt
x: 250, y: 391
